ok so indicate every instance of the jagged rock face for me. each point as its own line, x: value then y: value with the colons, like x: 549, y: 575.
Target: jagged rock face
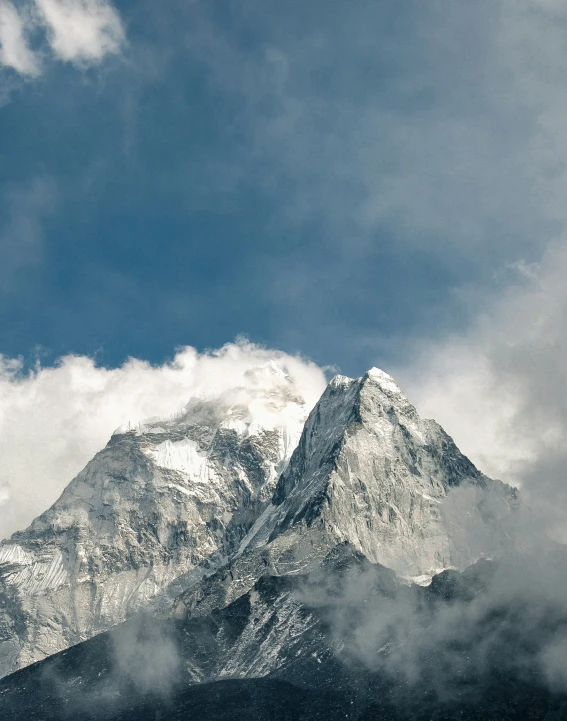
x: 368, y: 471
x: 278, y: 629
x: 149, y: 514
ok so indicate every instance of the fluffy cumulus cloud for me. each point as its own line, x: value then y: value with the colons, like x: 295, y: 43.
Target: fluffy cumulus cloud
x: 54, y: 419
x: 78, y: 31
x: 81, y: 30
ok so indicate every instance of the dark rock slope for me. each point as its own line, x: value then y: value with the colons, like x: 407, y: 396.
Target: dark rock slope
x: 333, y: 644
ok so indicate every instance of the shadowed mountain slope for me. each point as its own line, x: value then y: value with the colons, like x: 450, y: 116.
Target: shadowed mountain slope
x: 302, y: 635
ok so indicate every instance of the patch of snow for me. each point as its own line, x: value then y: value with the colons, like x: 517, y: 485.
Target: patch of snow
x: 12, y: 553
x: 384, y: 380
x: 183, y: 456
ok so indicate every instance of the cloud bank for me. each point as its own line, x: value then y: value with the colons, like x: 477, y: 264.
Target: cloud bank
x: 77, y: 31
x: 468, y: 634
x: 54, y: 419
x: 499, y: 386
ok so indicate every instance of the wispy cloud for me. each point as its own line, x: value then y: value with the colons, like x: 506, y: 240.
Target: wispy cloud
x: 498, y: 386
x: 506, y: 621
x: 23, y: 209
x: 427, y: 132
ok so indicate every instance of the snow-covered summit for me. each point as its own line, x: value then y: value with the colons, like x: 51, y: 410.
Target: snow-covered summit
x: 267, y: 398
x: 385, y: 381
x: 369, y: 471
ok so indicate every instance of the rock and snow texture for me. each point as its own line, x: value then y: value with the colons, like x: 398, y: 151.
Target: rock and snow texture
x: 214, y: 488
x: 158, y: 506
x: 368, y: 470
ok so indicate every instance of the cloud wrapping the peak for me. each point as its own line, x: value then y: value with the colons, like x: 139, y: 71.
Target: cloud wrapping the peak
x: 54, y: 419
x: 498, y: 387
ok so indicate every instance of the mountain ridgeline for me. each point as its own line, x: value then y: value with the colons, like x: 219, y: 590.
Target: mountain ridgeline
x: 263, y: 555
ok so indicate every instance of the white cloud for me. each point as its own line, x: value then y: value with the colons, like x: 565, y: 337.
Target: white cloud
x: 77, y: 31
x: 14, y: 50
x: 82, y: 30
x: 54, y: 419
x: 499, y: 387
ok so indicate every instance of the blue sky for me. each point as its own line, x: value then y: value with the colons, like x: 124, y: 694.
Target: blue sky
x: 334, y: 179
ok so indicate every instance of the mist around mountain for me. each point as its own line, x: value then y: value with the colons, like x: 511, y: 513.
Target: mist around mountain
x: 242, y: 561
x: 347, y: 640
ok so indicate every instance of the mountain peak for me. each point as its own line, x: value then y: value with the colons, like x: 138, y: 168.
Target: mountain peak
x: 340, y: 381
x: 383, y: 379
x: 270, y: 369
x: 377, y: 375
x: 369, y: 471
x: 265, y: 398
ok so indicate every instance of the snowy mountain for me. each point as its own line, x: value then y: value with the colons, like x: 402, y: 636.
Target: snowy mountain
x: 162, y: 503
x: 369, y: 471
x: 189, y: 513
